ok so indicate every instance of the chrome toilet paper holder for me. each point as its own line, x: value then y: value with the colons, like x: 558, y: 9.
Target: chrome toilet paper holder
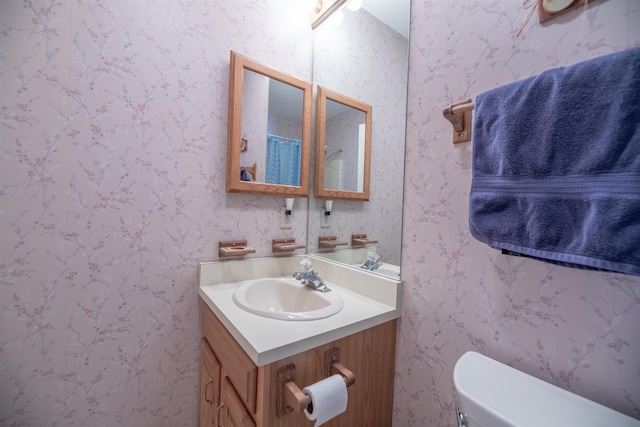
x: 291, y: 398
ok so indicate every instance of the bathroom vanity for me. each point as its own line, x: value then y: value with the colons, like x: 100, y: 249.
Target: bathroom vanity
x: 245, y: 359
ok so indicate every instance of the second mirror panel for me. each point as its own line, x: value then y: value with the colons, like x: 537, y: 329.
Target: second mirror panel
x: 366, y: 58
x: 343, y: 147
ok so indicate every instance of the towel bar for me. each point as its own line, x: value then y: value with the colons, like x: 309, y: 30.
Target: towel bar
x: 460, y: 117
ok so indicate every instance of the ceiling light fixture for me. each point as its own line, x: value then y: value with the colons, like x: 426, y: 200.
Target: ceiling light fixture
x: 314, y: 5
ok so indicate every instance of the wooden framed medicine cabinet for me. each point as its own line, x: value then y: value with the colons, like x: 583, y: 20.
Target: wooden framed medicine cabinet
x: 343, y: 142
x: 266, y: 103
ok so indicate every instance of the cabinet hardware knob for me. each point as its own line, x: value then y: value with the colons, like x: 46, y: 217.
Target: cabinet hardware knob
x: 221, y: 406
x: 209, y: 401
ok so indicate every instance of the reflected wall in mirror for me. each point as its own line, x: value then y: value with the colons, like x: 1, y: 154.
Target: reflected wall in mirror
x: 366, y: 58
x: 270, y: 118
x: 343, y: 147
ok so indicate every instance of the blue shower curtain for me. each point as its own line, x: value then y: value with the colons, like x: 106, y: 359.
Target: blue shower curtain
x: 283, y: 161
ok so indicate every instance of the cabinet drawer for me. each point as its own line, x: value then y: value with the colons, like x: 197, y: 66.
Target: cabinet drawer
x: 240, y: 369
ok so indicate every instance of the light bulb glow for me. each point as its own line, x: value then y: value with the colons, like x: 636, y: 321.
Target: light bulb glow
x: 354, y: 5
x: 313, y: 5
x: 336, y: 18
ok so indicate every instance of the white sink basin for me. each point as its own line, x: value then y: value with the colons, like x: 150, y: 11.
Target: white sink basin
x: 286, y: 298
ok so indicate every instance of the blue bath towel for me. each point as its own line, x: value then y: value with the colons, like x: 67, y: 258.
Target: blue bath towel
x: 556, y: 165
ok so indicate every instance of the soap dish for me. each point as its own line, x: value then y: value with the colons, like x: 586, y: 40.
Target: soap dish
x: 234, y: 248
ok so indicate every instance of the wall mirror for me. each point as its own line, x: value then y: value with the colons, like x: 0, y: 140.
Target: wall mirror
x: 343, y: 147
x: 269, y: 130
x: 366, y: 58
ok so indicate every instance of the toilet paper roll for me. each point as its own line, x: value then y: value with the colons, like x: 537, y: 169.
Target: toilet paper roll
x: 328, y: 399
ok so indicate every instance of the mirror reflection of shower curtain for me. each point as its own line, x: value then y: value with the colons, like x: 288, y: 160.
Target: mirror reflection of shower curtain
x: 283, y: 161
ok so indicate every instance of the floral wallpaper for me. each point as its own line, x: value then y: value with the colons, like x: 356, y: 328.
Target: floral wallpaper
x: 113, y: 118
x: 572, y: 328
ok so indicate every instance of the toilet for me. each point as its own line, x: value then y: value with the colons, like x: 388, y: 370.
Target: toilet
x: 491, y: 394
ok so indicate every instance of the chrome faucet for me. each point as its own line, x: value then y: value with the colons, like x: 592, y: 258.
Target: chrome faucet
x: 309, y: 277
x: 372, y: 262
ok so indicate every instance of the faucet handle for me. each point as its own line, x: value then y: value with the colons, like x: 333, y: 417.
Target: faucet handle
x: 305, y: 265
x: 373, y: 255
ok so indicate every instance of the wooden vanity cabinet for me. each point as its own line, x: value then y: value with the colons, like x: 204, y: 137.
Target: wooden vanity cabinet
x: 232, y: 411
x: 248, y: 394
x: 209, y: 396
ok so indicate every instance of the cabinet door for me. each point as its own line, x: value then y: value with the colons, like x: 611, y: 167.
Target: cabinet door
x: 233, y: 413
x: 209, y: 396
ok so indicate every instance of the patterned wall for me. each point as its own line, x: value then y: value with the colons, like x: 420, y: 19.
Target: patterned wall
x: 575, y: 329
x: 113, y: 117
x: 114, y: 125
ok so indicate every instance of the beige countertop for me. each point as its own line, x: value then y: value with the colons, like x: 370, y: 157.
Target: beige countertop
x: 369, y: 300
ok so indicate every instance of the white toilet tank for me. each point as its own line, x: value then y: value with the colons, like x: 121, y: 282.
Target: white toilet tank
x: 491, y: 394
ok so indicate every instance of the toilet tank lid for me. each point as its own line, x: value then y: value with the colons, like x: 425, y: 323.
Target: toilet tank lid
x: 501, y: 395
